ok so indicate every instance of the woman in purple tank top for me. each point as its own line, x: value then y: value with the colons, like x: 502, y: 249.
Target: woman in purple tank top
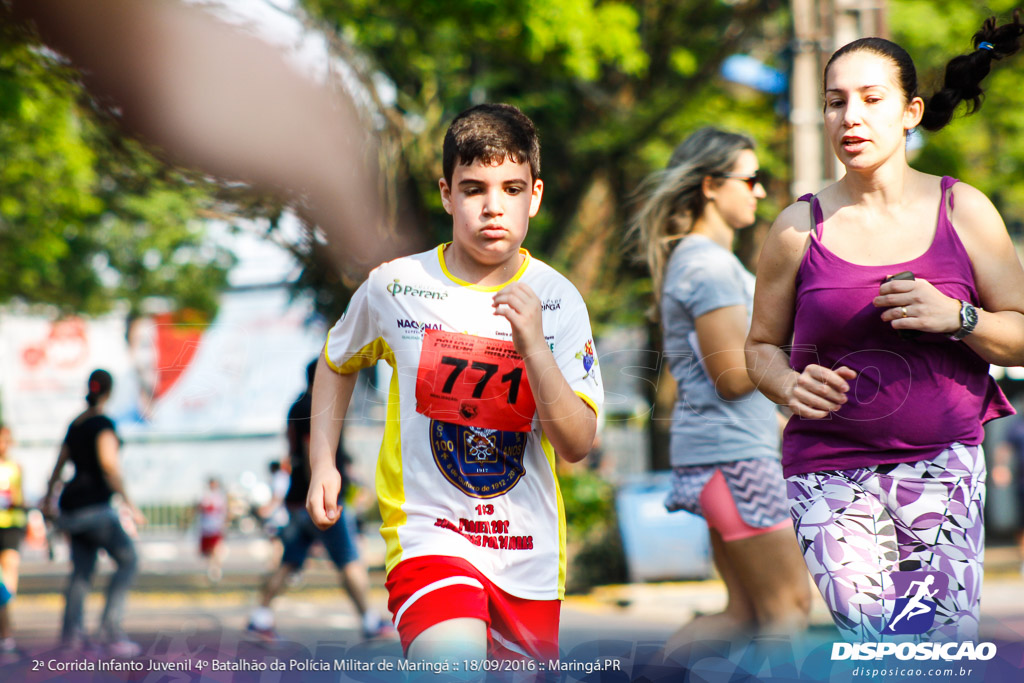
x: 887, y: 377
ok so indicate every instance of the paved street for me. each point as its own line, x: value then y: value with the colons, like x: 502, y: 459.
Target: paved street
x: 178, y: 616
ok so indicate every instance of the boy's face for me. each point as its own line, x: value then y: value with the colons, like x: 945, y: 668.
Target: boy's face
x: 491, y: 206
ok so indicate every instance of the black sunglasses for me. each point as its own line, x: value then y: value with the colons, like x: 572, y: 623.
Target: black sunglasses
x: 752, y: 181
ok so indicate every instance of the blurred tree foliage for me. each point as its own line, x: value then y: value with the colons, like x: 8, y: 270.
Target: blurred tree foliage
x: 596, y: 555
x: 612, y: 87
x: 88, y: 217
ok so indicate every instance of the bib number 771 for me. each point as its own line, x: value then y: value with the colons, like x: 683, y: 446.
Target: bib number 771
x: 473, y: 381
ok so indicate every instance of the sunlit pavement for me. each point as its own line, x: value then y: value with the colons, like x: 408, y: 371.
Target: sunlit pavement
x: 177, y: 612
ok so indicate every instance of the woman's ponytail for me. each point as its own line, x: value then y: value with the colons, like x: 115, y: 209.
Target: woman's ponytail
x: 964, y: 74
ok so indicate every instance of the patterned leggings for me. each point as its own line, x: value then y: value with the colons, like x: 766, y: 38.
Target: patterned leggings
x: 857, y: 527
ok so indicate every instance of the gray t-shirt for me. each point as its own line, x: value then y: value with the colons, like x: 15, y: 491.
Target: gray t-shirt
x: 702, y: 277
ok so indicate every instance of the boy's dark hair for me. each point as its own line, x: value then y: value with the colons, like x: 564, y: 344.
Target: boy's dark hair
x: 491, y: 133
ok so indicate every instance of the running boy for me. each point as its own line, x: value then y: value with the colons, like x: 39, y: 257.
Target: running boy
x: 495, y: 373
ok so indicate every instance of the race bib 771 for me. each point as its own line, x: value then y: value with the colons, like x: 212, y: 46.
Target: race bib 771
x: 473, y: 381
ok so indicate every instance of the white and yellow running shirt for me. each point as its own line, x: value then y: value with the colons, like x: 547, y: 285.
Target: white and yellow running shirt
x: 12, y: 511
x: 464, y: 468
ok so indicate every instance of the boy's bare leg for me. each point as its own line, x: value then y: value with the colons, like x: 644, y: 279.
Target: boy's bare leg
x: 451, y: 641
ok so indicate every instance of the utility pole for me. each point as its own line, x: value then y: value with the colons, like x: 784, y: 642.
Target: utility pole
x: 820, y: 27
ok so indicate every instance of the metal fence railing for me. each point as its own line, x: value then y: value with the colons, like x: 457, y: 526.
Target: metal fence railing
x: 167, y: 517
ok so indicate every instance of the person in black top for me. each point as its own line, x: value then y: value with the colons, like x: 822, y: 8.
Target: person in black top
x: 91, y: 523
x: 301, y: 533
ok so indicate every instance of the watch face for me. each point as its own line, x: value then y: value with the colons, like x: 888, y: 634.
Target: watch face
x: 970, y: 316
x: 968, y: 321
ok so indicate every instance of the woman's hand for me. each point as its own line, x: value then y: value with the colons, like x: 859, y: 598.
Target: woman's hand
x: 819, y: 391
x: 137, y: 516
x: 917, y: 305
x: 48, y: 506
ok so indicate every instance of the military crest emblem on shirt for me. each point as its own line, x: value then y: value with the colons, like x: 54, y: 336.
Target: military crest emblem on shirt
x: 482, y: 463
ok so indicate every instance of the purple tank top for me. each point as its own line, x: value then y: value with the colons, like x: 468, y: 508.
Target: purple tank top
x: 911, y: 398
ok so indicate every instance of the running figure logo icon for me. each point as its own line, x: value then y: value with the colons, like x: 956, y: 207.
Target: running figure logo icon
x: 914, y: 613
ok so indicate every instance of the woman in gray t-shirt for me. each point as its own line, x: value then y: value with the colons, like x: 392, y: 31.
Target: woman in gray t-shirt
x: 725, y: 435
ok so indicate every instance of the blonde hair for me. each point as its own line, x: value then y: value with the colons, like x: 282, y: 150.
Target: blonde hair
x: 672, y: 199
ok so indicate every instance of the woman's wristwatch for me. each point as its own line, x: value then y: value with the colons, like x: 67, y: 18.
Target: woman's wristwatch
x: 968, y: 320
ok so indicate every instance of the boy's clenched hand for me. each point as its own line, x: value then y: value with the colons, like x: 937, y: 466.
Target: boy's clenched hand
x: 521, y: 306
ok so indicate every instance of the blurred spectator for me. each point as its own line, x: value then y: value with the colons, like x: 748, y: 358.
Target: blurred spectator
x: 91, y: 523
x: 212, y: 510
x: 299, y: 535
